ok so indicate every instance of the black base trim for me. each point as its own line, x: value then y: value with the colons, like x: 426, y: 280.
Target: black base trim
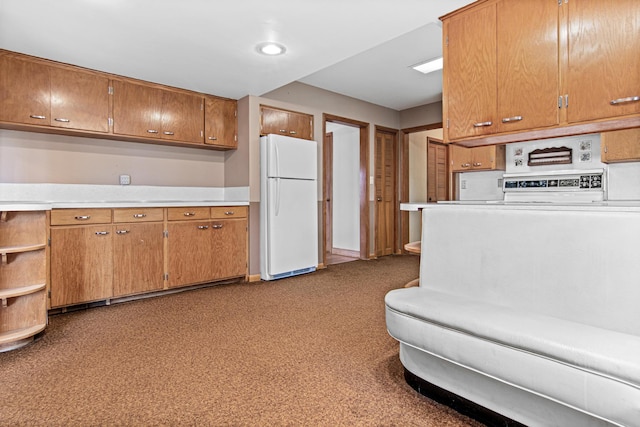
x: 458, y: 403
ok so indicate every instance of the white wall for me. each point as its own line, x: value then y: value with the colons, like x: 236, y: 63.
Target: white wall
x: 345, y: 200
x: 29, y: 157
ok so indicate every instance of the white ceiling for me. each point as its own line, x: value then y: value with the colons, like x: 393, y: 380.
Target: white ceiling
x: 359, y: 48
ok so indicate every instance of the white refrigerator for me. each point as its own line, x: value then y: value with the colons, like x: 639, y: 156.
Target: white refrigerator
x: 288, y: 207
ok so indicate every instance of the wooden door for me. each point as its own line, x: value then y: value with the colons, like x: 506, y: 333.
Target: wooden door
x: 327, y: 155
x: 470, y: 65
x: 437, y: 171
x: 138, y: 258
x: 221, y: 122
x: 24, y: 91
x: 600, y: 70
x: 189, y: 253
x: 79, y: 100
x: 527, y: 64
x: 81, y: 264
x: 385, y: 185
x: 137, y: 109
x: 182, y: 117
x: 229, y: 253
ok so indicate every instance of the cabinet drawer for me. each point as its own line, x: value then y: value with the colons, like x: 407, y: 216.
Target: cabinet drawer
x: 220, y: 212
x: 138, y: 215
x: 80, y: 216
x: 187, y: 213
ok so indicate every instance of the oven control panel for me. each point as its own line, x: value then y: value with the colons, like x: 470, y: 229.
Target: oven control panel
x: 575, y: 182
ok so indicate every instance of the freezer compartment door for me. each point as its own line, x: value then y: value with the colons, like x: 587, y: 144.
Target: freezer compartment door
x: 291, y: 227
x: 288, y: 157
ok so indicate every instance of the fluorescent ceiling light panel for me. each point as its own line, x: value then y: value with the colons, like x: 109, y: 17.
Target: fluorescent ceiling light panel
x: 429, y: 66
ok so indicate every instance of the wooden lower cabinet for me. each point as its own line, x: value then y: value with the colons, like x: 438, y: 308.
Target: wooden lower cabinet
x: 138, y: 261
x: 189, y: 253
x: 81, y: 264
x: 229, y: 248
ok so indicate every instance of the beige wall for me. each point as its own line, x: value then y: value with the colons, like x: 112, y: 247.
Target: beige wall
x: 422, y: 115
x: 28, y: 157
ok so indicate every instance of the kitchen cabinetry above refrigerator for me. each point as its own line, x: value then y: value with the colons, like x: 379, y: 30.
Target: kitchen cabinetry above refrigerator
x: 534, y: 69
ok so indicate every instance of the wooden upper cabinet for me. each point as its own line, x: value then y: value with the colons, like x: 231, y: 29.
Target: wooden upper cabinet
x: 464, y: 159
x: 283, y: 122
x: 151, y: 112
x: 24, y: 91
x: 470, y: 83
x: 33, y: 92
x: 620, y: 146
x: 79, y: 100
x: 603, y: 76
x: 527, y: 64
x: 221, y: 122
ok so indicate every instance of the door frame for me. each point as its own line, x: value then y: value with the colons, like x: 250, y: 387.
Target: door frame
x: 404, y: 177
x: 327, y: 182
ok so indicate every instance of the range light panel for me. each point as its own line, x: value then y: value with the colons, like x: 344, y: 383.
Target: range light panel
x: 429, y: 66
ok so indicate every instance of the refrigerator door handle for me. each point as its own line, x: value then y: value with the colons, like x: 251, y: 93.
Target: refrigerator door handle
x: 277, y: 159
x: 277, y: 196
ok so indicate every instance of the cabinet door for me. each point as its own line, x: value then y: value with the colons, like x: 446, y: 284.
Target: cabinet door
x: 137, y: 109
x: 182, y: 117
x: 24, y: 91
x: 300, y: 125
x: 527, y: 61
x: 603, y: 76
x: 79, y: 100
x: 470, y: 63
x: 221, y: 122
x: 138, y: 258
x: 620, y: 146
x: 189, y: 253
x: 229, y: 257
x: 460, y: 158
x: 274, y: 121
x: 81, y: 264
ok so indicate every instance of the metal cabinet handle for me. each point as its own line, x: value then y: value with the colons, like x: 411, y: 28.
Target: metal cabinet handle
x: 512, y: 119
x: 101, y: 233
x: 152, y: 131
x: 139, y: 215
x: 217, y: 226
x: 83, y: 217
x: 213, y: 138
x: 229, y: 213
x: 122, y: 231
x: 293, y: 132
x: 62, y: 120
x: 625, y: 100
x: 283, y: 130
x: 482, y: 124
x: 203, y: 227
x: 189, y: 214
x: 167, y: 133
x: 465, y: 165
x: 34, y: 116
x: 477, y: 164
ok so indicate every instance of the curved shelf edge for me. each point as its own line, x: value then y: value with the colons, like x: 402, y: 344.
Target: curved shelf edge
x: 20, y: 334
x: 22, y: 290
x: 22, y: 248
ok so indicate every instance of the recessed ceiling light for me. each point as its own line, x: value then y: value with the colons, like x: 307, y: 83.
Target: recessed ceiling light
x: 271, y: 48
x: 429, y: 66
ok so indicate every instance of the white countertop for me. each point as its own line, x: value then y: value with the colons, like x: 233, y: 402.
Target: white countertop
x: 28, y: 197
x: 606, y: 206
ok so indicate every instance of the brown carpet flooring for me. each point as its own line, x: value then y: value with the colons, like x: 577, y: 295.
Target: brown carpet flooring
x: 311, y: 350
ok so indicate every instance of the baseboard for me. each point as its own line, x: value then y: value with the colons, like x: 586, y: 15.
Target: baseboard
x: 458, y: 403
x: 254, y: 278
x: 345, y: 252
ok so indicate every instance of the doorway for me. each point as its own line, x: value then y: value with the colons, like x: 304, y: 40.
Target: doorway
x: 345, y: 170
